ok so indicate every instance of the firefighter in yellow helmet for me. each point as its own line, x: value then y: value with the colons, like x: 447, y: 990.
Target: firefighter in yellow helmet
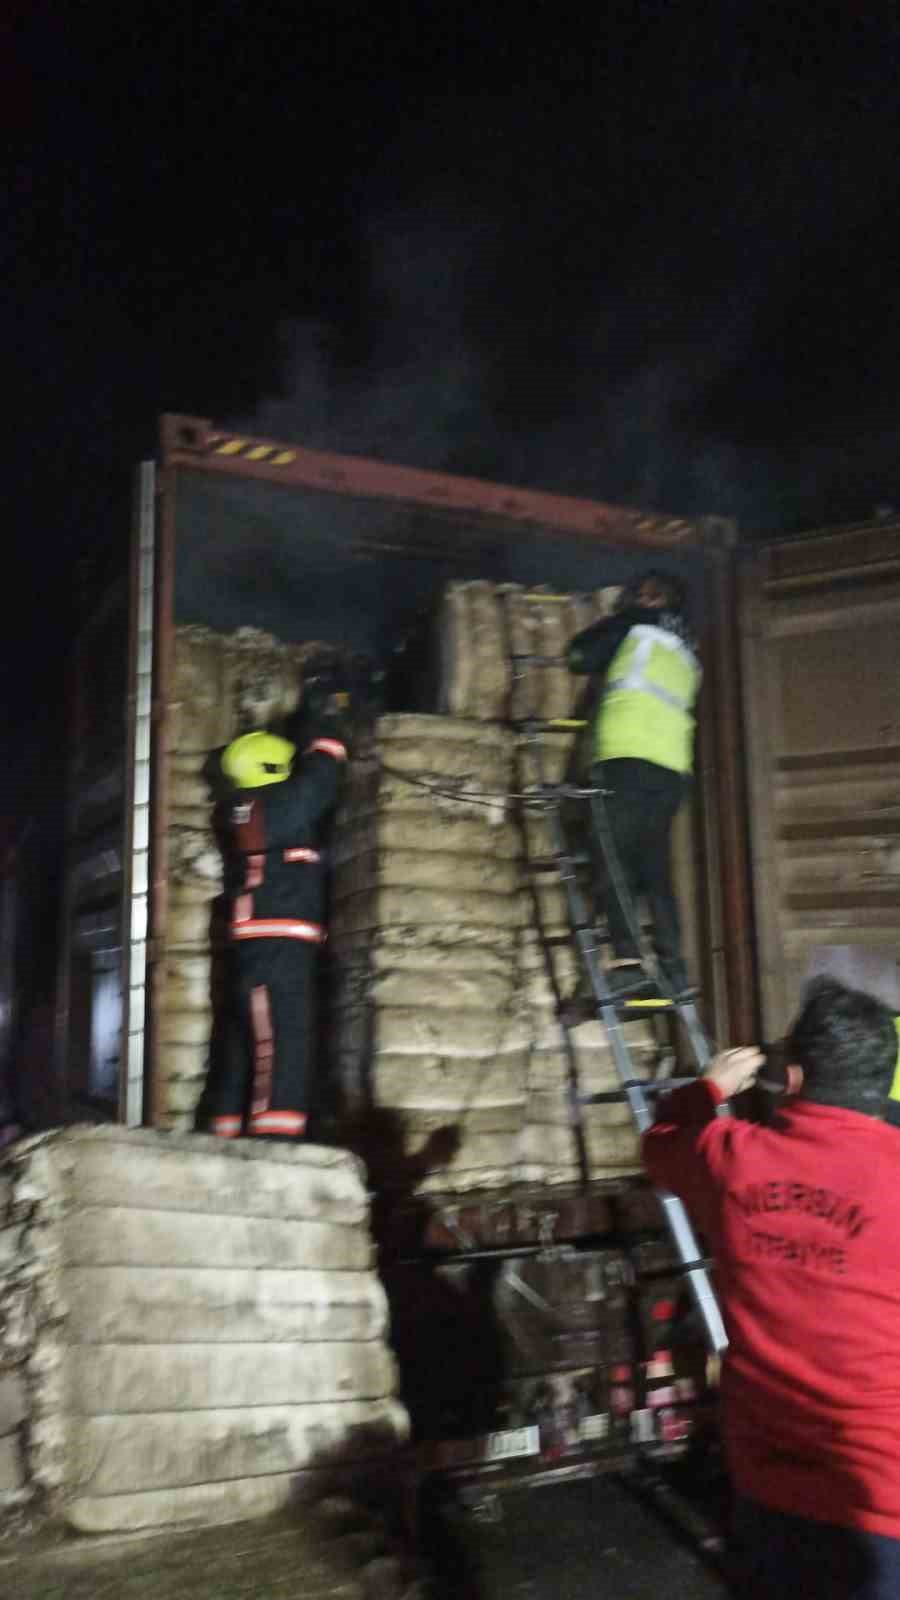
x: 281, y: 795
x: 644, y: 658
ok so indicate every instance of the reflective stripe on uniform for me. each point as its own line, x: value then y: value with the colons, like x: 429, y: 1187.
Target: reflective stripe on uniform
x: 300, y: 852
x: 263, y: 1047
x: 286, y: 1122
x: 328, y: 747
x: 226, y: 1127
x: 644, y: 636
x: 279, y: 928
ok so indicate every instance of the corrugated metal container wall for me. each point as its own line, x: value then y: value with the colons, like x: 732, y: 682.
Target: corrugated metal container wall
x: 821, y: 628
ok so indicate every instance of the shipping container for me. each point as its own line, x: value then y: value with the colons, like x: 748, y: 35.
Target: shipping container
x: 820, y: 626
x: 234, y: 534
x: 791, y: 843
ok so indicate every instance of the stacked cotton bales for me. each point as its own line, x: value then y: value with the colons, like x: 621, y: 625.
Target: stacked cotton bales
x: 426, y: 922
x: 197, y: 1327
x: 222, y: 685
x: 481, y: 625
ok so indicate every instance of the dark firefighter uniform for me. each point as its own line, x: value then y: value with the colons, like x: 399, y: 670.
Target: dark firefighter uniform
x: 276, y: 906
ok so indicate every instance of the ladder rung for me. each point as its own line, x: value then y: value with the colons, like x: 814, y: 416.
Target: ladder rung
x: 654, y: 1087
x: 548, y: 725
x: 657, y: 1003
x: 545, y: 800
x: 549, y: 863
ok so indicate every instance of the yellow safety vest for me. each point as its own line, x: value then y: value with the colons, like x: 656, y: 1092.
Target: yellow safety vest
x: 646, y: 711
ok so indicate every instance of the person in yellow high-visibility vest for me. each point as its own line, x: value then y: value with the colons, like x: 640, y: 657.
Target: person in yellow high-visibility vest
x: 642, y: 736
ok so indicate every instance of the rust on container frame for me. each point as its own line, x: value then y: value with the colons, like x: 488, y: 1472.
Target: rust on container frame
x: 195, y: 442
x: 729, y: 789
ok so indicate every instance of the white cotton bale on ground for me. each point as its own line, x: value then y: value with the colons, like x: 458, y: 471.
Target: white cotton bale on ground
x: 116, y: 1236
x: 191, y: 1317
x: 175, y: 1449
x: 224, y: 1304
x: 110, y: 1378
x: 218, y: 1179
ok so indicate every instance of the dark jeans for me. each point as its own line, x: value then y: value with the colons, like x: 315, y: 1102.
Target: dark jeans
x: 637, y: 816
x: 795, y: 1558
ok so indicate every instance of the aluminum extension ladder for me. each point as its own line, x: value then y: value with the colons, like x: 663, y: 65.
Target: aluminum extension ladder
x: 548, y: 801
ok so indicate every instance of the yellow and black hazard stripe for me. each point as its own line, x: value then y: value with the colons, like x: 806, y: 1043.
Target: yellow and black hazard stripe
x: 228, y: 444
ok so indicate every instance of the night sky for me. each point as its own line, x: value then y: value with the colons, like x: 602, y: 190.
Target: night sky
x: 651, y: 257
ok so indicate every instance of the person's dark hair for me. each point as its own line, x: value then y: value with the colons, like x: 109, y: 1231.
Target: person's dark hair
x: 846, y: 1043
x: 672, y: 590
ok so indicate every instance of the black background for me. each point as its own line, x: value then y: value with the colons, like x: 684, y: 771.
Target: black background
x: 644, y: 252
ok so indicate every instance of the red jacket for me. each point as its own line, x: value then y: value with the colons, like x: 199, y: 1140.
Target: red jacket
x: 803, y: 1219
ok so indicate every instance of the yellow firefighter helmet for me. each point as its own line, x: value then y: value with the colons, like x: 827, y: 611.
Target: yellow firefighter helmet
x: 256, y: 759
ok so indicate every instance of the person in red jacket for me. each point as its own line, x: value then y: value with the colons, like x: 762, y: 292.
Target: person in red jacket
x: 801, y: 1217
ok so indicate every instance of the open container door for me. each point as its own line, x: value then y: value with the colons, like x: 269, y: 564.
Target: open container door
x: 310, y: 545
x: 101, y: 993
x: 820, y: 620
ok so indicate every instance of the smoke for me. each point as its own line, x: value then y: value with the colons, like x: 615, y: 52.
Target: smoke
x: 421, y: 388
x: 548, y: 326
